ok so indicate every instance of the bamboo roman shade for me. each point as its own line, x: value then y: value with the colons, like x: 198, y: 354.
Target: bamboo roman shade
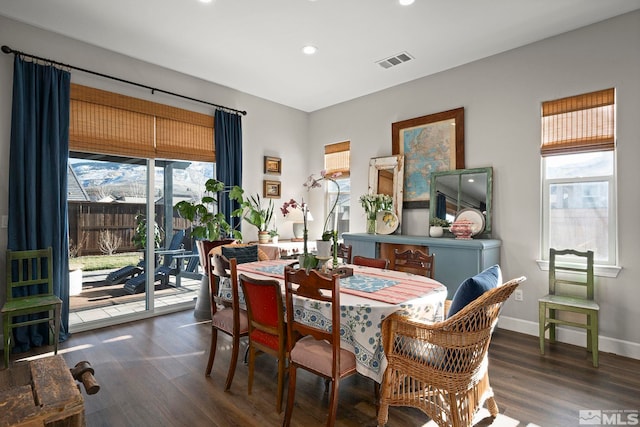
x: 109, y: 123
x: 337, y: 158
x: 579, y: 123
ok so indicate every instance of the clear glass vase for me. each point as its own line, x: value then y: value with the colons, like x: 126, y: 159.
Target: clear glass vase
x: 371, y: 225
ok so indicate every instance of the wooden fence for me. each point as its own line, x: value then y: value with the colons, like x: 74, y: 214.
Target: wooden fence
x: 88, y: 219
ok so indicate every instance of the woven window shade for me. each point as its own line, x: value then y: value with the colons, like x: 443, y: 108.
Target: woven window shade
x: 100, y: 129
x: 109, y: 123
x: 337, y: 158
x: 579, y: 123
x: 185, y: 141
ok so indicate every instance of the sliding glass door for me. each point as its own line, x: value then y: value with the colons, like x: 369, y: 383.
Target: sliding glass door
x: 122, y: 266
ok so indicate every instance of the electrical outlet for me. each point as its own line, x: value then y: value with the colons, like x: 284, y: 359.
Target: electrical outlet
x: 518, y: 295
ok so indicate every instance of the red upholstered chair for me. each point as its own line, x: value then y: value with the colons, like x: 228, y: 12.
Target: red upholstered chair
x: 371, y: 262
x: 267, y: 332
x: 231, y: 319
x: 414, y: 261
x: 318, y: 350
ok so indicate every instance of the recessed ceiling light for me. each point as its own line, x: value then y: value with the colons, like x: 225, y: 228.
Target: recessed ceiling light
x: 309, y: 50
x: 205, y: 1
x: 405, y: 2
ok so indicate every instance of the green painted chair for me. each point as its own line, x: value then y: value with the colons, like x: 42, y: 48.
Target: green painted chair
x: 30, y: 269
x: 563, y: 276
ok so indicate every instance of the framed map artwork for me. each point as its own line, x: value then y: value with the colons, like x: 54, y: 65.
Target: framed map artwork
x: 430, y: 143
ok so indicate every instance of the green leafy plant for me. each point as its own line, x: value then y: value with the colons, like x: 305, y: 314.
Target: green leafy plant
x: 140, y: 232
x: 207, y: 224
x: 439, y: 222
x: 327, y: 235
x: 374, y: 203
x: 274, y: 232
x: 252, y: 210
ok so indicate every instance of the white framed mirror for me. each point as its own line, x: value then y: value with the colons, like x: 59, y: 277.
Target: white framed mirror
x: 386, y: 176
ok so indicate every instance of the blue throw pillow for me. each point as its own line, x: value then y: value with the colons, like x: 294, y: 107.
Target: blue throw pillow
x: 241, y: 253
x: 475, y: 286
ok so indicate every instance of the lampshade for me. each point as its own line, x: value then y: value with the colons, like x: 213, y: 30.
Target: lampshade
x: 295, y: 215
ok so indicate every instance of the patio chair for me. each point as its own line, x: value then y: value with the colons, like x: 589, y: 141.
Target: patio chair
x: 162, y: 273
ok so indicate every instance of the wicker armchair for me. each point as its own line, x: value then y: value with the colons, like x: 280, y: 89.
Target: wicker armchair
x: 441, y: 368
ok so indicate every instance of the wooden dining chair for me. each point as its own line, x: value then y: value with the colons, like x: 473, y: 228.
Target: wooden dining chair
x: 371, y: 262
x: 267, y: 331
x: 344, y: 252
x: 230, y: 318
x: 30, y: 291
x: 441, y: 368
x: 414, y: 261
x: 318, y: 348
x: 564, y: 276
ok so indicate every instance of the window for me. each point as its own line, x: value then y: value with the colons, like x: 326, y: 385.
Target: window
x: 578, y: 173
x: 128, y: 157
x: 337, y: 160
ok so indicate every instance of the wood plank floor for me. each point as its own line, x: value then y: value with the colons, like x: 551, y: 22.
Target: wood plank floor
x: 152, y: 374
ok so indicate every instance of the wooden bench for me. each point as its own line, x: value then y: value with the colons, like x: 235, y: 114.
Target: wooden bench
x: 40, y: 393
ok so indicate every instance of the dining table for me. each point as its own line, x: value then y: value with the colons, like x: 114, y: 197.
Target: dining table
x: 366, y: 298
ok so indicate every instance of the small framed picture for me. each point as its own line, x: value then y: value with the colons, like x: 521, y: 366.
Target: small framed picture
x: 272, y: 165
x: 271, y: 189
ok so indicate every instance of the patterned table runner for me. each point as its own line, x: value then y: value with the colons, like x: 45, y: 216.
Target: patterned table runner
x: 387, y: 286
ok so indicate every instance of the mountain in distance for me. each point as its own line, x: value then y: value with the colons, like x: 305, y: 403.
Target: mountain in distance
x: 101, y: 179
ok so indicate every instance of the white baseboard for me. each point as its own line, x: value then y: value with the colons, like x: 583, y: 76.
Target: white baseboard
x: 574, y: 337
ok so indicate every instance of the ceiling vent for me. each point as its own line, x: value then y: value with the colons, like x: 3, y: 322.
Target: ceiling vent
x: 392, y: 61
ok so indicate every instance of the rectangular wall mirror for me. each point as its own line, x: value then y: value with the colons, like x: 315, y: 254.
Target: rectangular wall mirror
x: 455, y: 190
x: 386, y: 176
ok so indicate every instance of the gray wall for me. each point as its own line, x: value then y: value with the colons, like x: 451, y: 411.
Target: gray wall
x: 501, y: 96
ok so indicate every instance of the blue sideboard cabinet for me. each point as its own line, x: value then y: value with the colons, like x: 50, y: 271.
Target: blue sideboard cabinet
x: 455, y: 259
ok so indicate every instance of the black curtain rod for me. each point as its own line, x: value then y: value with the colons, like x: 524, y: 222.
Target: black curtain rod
x: 8, y: 50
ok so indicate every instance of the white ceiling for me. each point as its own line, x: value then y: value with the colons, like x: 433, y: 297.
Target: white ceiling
x: 255, y: 45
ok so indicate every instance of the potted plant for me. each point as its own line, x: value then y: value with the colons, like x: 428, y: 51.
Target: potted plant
x: 273, y: 233
x: 207, y: 224
x: 436, y: 226
x: 252, y: 210
x: 324, y: 245
x: 210, y: 229
x: 139, y: 238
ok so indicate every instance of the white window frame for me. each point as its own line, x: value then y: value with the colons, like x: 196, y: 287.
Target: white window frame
x: 605, y: 269
x: 331, y: 191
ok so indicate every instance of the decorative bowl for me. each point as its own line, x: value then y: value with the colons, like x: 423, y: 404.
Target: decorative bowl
x: 462, y: 229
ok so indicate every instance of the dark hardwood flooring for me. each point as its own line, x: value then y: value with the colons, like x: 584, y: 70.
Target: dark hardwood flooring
x: 151, y: 373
